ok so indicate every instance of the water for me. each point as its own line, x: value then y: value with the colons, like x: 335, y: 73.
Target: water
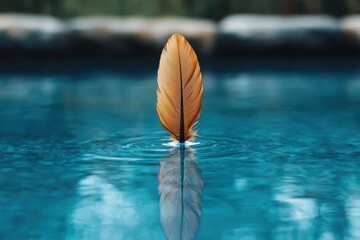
x: 83, y: 155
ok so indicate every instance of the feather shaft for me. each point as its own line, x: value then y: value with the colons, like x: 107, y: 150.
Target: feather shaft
x: 182, y: 137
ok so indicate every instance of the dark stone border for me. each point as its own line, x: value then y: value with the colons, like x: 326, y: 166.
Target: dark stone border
x: 38, y: 36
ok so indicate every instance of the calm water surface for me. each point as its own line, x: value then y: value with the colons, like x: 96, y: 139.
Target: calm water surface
x: 83, y: 156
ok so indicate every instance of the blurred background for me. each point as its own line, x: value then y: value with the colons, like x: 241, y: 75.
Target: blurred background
x: 211, y: 9
x: 230, y: 28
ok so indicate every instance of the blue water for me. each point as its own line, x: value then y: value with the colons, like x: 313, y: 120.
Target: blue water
x: 83, y: 155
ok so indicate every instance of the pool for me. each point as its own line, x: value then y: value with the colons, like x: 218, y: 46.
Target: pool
x: 83, y: 155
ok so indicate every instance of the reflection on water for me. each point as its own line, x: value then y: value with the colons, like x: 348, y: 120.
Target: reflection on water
x: 180, y: 189
x: 352, y: 208
x: 103, y: 213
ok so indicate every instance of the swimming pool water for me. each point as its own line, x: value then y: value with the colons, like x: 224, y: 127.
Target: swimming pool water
x: 83, y: 156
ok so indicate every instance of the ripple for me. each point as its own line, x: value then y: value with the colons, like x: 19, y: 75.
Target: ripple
x: 218, y: 146
x: 156, y: 146
x: 144, y: 147
x: 127, y: 148
x: 177, y: 144
x: 213, y: 147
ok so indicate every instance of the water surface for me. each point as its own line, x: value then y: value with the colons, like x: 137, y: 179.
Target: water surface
x: 83, y: 155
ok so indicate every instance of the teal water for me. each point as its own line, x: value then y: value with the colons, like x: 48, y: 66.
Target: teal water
x: 83, y: 155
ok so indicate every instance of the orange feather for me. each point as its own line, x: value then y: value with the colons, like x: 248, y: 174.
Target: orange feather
x: 180, y: 89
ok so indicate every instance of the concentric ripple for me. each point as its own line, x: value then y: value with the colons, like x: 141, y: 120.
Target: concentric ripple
x: 128, y: 148
x: 156, y: 146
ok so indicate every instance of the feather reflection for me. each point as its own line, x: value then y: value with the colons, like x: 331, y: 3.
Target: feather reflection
x: 180, y: 189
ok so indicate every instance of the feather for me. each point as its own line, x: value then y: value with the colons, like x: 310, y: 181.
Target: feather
x: 180, y: 189
x: 180, y: 89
